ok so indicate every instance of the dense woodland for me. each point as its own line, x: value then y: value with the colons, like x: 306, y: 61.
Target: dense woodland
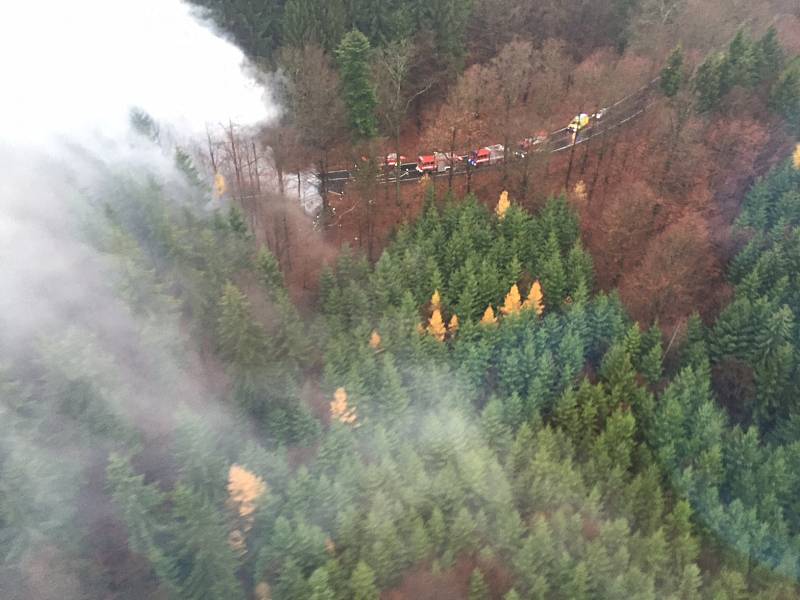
x: 558, y: 393
x: 361, y: 79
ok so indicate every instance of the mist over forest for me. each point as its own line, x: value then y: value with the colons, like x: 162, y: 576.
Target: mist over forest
x: 361, y: 300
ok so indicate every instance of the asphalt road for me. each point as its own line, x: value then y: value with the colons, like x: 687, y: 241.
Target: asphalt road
x: 616, y: 115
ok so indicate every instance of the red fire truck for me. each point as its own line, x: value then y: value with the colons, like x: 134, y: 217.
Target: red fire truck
x: 488, y: 155
x: 391, y: 159
x: 438, y: 162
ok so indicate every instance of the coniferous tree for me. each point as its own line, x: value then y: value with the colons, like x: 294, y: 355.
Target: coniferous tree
x: 447, y: 21
x: 478, y: 590
x: 469, y: 295
x: 740, y: 60
x: 138, y: 504
x: 291, y: 584
x: 237, y: 223
x: 362, y: 583
x: 534, y: 300
x: 672, y: 73
x: 359, y: 92
x: 436, y: 327
x: 488, y: 316
x: 769, y: 55
x: 320, y: 585
x: 553, y: 277
x: 512, y: 303
x: 201, y: 548
x: 269, y: 272
x: 785, y: 97
x: 241, y: 339
x: 708, y: 83
x: 300, y: 23
x: 254, y: 24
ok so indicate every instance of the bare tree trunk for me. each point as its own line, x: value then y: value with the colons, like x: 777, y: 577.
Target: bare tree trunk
x: 323, y: 184
x: 610, y: 161
x: 600, y: 158
x: 506, y: 137
x: 255, y: 167
x: 571, y: 158
x: 299, y: 189
x: 452, y: 160
x: 237, y: 169
x: 526, y: 167
x: 681, y: 117
x: 397, y: 164
x: 287, y: 242
x: 585, y: 159
x: 211, y: 151
x: 277, y: 160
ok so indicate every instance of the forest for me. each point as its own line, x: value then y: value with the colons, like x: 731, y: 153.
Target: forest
x: 569, y: 377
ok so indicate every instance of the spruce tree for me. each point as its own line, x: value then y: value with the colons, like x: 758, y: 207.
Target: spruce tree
x: 784, y: 97
x: 138, y: 505
x: 708, y: 84
x: 478, y: 590
x: 740, y: 60
x: 469, y: 305
x: 769, y: 55
x: 320, y: 585
x: 269, y: 272
x: 353, y: 54
x: 240, y: 338
x: 553, y: 276
x: 208, y: 564
x: 672, y: 73
x: 362, y: 583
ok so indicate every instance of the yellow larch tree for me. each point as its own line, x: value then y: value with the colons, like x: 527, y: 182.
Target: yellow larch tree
x: 502, y: 206
x: 579, y: 192
x: 219, y: 185
x: 436, y: 326
x: 488, y: 316
x: 330, y: 546
x: 263, y: 592
x: 237, y: 542
x: 436, y: 300
x: 534, y: 299
x: 513, y: 301
x: 244, y: 490
x: 375, y: 340
x: 796, y: 157
x: 340, y: 411
x: 452, y: 327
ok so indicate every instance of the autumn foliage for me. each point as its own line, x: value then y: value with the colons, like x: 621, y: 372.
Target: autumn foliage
x: 513, y: 301
x: 452, y: 326
x: 244, y: 490
x: 489, y: 317
x: 534, y: 299
x: 339, y: 409
x: 502, y: 206
x: 375, y: 340
x: 436, y: 327
x: 436, y: 300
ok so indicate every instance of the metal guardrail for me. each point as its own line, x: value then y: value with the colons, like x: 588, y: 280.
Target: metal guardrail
x: 409, y: 173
